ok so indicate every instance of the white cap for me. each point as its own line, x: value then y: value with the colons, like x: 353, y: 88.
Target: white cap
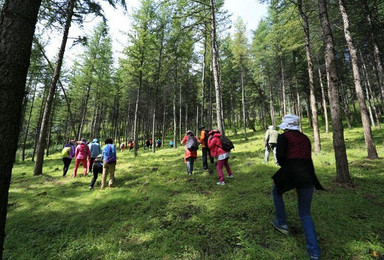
x: 290, y: 122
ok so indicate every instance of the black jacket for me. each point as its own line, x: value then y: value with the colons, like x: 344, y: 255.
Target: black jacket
x: 296, y: 164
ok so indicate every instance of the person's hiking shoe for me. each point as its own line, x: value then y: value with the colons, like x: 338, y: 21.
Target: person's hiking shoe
x: 221, y: 183
x: 282, y: 228
x: 90, y: 188
x: 189, y: 173
x: 230, y: 176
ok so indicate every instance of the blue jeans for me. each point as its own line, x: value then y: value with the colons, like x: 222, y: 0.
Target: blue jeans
x: 304, y: 196
x: 190, y: 161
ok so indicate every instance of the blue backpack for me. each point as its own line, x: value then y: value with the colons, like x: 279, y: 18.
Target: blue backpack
x: 111, y: 158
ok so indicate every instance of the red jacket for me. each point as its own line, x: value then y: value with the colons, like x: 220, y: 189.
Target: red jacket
x: 214, y: 145
x: 188, y: 153
x: 82, y: 152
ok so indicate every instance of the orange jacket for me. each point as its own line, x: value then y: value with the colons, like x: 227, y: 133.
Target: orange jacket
x: 202, y: 138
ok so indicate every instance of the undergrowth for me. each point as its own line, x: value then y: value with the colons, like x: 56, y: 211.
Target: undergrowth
x: 156, y: 212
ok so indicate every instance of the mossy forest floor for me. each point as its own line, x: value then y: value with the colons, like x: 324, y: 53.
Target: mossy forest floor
x: 156, y: 212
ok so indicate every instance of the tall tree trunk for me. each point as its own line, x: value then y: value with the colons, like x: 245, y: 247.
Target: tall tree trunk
x: 376, y: 52
x: 174, y: 110
x: 84, y: 112
x: 164, y: 129
x: 52, y: 90
x: 203, y: 76
x: 136, y: 122
x: 271, y: 107
x: 324, y: 101
x: 49, y: 133
x: 72, y: 122
x: 371, y: 148
x: 17, y: 25
x: 370, y: 97
x: 233, y: 110
x: 243, y: 101
x: 283, y: 86
x: 28, y: 123
x: 215, y: 68
x: 347, y: 112
x: 315, y: 124
x: 342, y: 170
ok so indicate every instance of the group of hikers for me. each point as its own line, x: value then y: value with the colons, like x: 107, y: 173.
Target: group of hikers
x: 93, y: 158
x: 212, y: 147
x: 291, y: 149
x: 292, y: 152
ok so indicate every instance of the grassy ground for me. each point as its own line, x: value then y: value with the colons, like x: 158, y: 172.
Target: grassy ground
x: 156, y: 212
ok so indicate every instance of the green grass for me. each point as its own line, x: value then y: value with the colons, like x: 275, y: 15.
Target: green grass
x: 155, y: 212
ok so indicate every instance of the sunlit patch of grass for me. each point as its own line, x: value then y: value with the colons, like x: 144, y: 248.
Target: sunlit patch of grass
x: 156, y: 212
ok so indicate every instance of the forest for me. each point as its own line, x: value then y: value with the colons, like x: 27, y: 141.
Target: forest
x: 181, y: 68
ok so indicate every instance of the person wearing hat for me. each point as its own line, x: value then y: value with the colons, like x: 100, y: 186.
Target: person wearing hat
x: 296, y: 172
x: 190, y: 155
x: 82, y: 155
x: 270, y: 141
x: 95, y: 150
x: 204, y: 134
x: 222, y: 156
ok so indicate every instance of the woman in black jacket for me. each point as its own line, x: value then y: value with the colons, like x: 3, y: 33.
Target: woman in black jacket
x: 296, y: 172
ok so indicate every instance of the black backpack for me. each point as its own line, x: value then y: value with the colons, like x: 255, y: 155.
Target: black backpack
x: 226, y: 144
x: 192, y: 143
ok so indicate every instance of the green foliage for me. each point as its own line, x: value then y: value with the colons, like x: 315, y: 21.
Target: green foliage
x: 156, y: 212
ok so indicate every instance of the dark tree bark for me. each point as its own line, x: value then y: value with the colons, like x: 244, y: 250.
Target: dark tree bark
x: 17, y: 25
x: 342, y: 170
x: 52, y: 90
x: 371, y: 148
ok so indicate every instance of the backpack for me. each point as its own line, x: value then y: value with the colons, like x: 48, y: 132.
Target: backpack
x: 226, y: 144
x: 111, y: 158
x: 65, y: 152
x: 192, y: 143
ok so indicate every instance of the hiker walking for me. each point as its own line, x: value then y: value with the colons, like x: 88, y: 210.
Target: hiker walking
x: 82, y: 155
x: 67, y: 154
x: 96, y: 169
x: 95, y: 150
x: 158, y: 143
x: 130, y: 144
x: 204, y: 134
x: 122, y: 147
x: 109, y: 163
x: 216, y: 148
x: 270, y: 142
x: 296, y: 172
x: 191, y: 145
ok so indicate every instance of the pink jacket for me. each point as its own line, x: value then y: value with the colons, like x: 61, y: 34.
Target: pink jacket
x: 82, y: 152
x: 214, y: 145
